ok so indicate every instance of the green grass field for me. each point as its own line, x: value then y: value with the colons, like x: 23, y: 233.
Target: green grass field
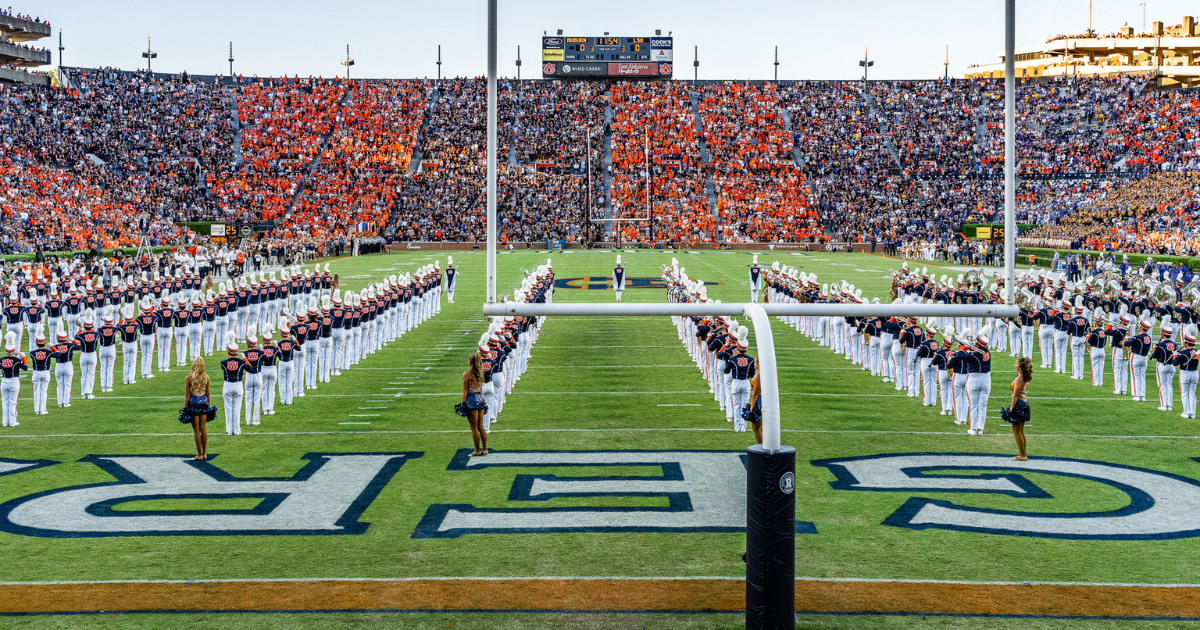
x: 598, y: 384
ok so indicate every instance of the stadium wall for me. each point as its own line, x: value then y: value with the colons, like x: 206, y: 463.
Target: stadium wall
x: 1043, y: 256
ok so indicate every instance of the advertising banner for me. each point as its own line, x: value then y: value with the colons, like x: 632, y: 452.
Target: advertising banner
x: 633, y: 69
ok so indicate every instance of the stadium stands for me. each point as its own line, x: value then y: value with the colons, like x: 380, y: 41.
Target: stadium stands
x: 729, y: 162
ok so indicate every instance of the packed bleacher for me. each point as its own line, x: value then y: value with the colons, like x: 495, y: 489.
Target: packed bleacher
x: 118, y: 152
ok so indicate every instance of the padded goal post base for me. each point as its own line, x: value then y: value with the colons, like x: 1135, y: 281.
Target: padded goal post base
x: 770, y: 538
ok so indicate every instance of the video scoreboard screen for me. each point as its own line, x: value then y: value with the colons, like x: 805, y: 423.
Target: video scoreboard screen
x: 607, y: 57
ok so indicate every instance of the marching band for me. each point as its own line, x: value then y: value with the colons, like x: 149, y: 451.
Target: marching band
x: 142, y: 313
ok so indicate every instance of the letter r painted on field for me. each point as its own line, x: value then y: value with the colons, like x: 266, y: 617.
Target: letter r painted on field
x: 1161, y: 505
x: 705, y: 492
x: 326, y: 496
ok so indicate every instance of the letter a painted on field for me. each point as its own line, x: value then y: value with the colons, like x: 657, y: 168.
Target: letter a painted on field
x: 1161, y: 505
x: 325, y: 497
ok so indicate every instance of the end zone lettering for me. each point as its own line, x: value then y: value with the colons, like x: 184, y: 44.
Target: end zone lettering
x: 325, y: 497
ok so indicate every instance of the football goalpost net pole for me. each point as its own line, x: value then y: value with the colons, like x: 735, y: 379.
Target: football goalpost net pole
x: 770, y: 519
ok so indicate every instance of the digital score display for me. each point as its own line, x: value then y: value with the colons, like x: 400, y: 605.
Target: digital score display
x: 607, y: 57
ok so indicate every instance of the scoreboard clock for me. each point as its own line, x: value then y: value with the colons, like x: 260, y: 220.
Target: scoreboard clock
x: 607, y: 57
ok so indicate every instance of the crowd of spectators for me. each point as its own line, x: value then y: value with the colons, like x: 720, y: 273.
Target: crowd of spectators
x: 120, y: 153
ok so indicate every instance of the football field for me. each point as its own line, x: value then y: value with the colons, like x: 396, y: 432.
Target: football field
x: 614, y: 494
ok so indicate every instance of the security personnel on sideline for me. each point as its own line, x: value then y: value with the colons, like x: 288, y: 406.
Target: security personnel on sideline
x: 1164, y: 372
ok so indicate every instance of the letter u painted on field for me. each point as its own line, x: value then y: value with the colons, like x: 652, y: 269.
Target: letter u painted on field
x: 1161, y: 505
x: 325, y: 497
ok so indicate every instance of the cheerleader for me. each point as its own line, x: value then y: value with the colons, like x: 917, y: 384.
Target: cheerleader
x: 474, y: 403
x: 1017, y: 413
x: 197, y: 410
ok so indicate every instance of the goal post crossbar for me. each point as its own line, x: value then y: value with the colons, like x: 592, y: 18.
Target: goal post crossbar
x: 758, y: 315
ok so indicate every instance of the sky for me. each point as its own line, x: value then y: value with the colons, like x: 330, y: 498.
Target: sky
x: 817, y: 39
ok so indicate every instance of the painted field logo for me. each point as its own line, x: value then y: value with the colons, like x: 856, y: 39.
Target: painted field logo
x: 1161, y: 505
x: 325, y: 497
x: 601, y: 283
x: 705, y: 490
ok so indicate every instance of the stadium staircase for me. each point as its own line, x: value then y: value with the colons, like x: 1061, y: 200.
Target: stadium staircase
x: 414, y: 164
x: 316, y: 163
x: 237, y: 128
x: 606, y: 164
x: 882, y: 127
x: 710, y: 190
x: 796, y: 156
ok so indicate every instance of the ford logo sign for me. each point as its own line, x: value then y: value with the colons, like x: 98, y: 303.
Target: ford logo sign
x: 552, y: 42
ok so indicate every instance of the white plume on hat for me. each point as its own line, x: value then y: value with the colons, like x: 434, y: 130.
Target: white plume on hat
x: 39, y: 333
x: 127, y: 312
x: 251, y: 332
x: 231, y: 341
x: 326, y: 267
x: 10, y: 341
x: 268, y: 331
x: 88, y: 318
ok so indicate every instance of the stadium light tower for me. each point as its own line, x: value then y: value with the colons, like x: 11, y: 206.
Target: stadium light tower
x: 946, y: 64
x: 347, y: 62
x: 60, y: 49
x: 230, y: 63
x: 696, y: 64
x: 865, y: 63
x: 518, y: 64
x: 777, y: 64
x: 439, y: 62
x: 148, y: 55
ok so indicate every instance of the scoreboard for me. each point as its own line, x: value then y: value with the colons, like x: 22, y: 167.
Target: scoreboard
x: 607, y: 57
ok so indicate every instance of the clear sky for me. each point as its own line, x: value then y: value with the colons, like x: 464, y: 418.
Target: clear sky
x: 817, y: 39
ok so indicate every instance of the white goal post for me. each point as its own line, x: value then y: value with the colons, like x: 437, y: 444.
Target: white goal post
x: 779, y: 571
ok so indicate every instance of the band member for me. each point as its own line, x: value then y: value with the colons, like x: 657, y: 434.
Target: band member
x: 64, y: 369
x: 451, y: 278
x: 1139, y: 346
x: 941, y: 360
x: 287, y: 363
x: 11, y: 366
x: 1121, y: 352
x: 253, y: 358
x: 755, y: 279
x: 129, y: 346
x: 741, y: 368
x: 147, y: 328
x: 87, y: 339
x: 233, y: 369
x: 926, y: 351
x: 107, y: 350
x: 619, y: 278
x: 1164, y: 371
x: 166, y: 317
x: 270, y: 373
x: 1097, y: 338
x: 40, y: 361
x: 1077, y: 330
x: 1186, y: 359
